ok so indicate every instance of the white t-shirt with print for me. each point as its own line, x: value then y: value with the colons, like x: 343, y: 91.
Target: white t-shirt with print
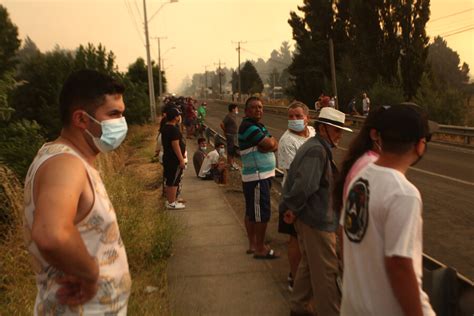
x: 381, y: 218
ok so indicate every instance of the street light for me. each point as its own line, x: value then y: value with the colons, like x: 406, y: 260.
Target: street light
x: 151, y: 87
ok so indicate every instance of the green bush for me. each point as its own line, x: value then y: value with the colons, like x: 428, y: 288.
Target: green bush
x: 385, y: 93
x: 19, y: 143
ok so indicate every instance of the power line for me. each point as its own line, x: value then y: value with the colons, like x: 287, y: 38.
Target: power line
x: 462, y: 31
x: 450, y: 15
x: 457, y: 30
x: 134, y: 21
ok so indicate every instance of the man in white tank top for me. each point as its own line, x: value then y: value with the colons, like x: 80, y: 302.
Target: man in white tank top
x: 70, y: 225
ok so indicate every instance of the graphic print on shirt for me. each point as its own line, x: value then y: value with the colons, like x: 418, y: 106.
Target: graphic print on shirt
x: 357, y: 211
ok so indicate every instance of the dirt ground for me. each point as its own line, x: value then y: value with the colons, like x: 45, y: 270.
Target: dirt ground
x: 279, y: 268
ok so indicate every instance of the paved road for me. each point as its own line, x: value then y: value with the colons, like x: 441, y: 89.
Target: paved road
x: 445, y: 178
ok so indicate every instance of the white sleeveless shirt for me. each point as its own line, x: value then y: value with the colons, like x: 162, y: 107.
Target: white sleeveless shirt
x: 100, y: 233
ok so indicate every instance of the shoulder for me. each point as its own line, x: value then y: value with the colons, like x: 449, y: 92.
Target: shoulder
x: 66, y: 170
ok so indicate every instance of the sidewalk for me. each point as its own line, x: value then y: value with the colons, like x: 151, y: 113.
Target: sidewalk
x: 209, y: 272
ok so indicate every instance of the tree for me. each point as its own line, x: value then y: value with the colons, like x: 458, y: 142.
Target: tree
x: 37, y: 99
x: 251, y: 81
x: 9, y: 42
x: 444, y: 65
x: 310, y: 71
x: 138, y: 73
x: 99, y: 59
x: 414, y: 14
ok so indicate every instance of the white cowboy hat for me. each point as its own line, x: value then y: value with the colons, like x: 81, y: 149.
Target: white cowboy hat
x: 333, y: 117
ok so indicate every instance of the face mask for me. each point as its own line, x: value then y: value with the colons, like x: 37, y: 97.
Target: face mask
x: 236, y: 112
x: 113, y: 133
x: 296, y: 125
x: 221, y: 151
x: 203, y: 148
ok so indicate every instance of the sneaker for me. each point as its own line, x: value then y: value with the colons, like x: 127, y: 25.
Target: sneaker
x: 175, y: 205
x: 290, y: 282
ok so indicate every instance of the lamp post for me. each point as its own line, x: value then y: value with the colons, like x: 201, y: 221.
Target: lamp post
x: 151, y: 88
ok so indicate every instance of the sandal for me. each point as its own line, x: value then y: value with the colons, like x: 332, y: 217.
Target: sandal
x: 270, y: 255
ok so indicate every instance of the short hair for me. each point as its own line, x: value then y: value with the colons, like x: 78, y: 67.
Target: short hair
x: 218, y: 143
x: 201, y: 139
x: 298, y: 104
x: 250, y: 100
x: 86, y: 89
x: 231, y: 107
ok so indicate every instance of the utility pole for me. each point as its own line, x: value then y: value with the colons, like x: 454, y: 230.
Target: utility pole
x: 160, y: 67
x: 151, y: 86
x: 219, y: 72
x: 333, y: 72
x: 240, y: 79
x: 205, y: 81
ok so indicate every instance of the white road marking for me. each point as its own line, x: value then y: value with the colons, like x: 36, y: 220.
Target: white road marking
x: 432, y: 173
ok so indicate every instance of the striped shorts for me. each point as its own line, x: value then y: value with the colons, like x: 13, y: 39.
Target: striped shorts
x: 257, y: 200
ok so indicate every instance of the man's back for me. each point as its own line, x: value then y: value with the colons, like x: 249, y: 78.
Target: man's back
x: 382, y: 218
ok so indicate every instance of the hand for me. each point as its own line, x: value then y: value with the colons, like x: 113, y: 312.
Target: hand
x: 289, y: 217
x: 182, y: 165
x: 75, y: 291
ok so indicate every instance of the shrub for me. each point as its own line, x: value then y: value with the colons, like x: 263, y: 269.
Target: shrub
x: 19, y: 142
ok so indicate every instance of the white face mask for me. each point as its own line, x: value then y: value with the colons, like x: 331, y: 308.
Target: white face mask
x: 203, y: 148
x: 221, y: 151
x: 113, y: 133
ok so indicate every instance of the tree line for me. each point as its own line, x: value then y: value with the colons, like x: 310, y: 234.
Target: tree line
x: 381, y: 47
x: 30, y: 83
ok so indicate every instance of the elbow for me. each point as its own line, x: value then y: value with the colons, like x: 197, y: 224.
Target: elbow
x: 48, y: 241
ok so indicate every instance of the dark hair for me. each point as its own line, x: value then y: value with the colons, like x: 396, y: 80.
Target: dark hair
x: 218, y: 143
x: 402, y: 126
x: 359, y: 145
x: 86, y: 89
x: 251, y: 99
x: 231, y: 107
x: 201, y: 139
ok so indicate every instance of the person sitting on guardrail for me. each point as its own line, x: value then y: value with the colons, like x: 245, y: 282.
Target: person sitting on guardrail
x: 257, y: 149
x: 297, y: 134
x: 213, y: 167
x: 306, y: 203
x: 199, y: 155
x: 382, y: 223
x: 230, y: 128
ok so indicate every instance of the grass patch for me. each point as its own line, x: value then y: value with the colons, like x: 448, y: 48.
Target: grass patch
x: 132, y: 183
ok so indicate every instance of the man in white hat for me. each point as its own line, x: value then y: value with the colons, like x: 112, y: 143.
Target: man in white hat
x: 306, y: 203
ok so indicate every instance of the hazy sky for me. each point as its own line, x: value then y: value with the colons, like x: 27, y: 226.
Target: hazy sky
x: 201, y: 30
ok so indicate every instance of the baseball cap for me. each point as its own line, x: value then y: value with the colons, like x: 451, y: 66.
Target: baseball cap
x: 172, y: 112
x: 405, y: 123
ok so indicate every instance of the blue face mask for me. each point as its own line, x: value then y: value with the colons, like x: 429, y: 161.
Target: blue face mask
x: 296, y: 125
x: 113, y: 133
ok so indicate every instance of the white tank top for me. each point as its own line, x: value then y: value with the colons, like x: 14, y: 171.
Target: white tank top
x: 100, y: 233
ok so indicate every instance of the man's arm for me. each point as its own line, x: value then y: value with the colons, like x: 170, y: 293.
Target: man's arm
x: 404, y: 284
x: 306, y: 180
x: 58, y: 187
x: 268, y: 144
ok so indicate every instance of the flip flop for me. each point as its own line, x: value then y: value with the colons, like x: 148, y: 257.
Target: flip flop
x: 270, y: 255
x: 250, y: 251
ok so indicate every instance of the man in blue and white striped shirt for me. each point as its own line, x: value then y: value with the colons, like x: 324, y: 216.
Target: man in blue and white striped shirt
x: 257, y: 149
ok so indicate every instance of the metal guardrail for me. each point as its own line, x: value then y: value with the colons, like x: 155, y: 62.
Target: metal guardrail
x: 450, y: 134
x: 438, y: 277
